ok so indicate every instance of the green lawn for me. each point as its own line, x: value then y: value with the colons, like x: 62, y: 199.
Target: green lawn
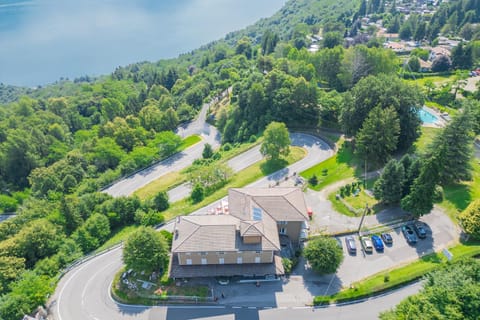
x: 189, y: 141
x: 426, y: 137
x: 175, y: 178
x: 392, y: 278
x: 458, y: 196
x: 357, y: 203
x: 240, y: 179
x: 118, y: 236
x: 339, y: 167
x: 437, y: 80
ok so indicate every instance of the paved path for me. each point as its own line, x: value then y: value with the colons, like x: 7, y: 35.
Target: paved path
x: 177, y: 162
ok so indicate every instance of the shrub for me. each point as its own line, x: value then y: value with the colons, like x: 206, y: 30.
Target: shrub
x: 198, y: 193
x: 438, y: 194
x: 227, y: 147
x: 287, y: 265
x: 8, y: 204
x: 252, y: 138
x: 313, y: 180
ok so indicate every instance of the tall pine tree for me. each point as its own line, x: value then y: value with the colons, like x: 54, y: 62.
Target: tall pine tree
x: 388, y: 188
x: 453, y: 148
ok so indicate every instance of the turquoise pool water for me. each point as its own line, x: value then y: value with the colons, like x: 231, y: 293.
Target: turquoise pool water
x: 426, y: 116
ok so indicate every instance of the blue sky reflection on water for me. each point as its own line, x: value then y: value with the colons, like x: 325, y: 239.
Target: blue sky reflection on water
x: 43, y: 40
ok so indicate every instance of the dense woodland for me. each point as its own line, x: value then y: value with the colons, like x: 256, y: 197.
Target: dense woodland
x: 60, y: 144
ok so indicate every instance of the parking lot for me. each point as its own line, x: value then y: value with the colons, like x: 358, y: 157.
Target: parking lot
x: 303, y: 284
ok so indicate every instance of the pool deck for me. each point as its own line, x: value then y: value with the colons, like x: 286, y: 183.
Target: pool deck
x: 440, y: 123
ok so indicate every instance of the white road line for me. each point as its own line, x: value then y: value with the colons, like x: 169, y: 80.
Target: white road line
x: 70, y: 279
x: 91, y: 279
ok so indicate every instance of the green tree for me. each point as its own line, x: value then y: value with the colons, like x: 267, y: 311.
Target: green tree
x: 332, y: 39
x: 10, y: 269
x: 145, y: 250
x: 198, y: 193
x: 383, y: 91
x: 323, y: 254
x: 276, y: 141
x: 441, y: 63
x: 414, y: 64
x: 453, y: 148
x: 161, y: 201
x: 420, y: 199
x: 207, y: 152
x: 470, y: 219
x: 462, y: 56
x: 378, y: 138
x: 93, y: 233
x: 29, y: 292
x: 388, y: 187
x: 449, y: 293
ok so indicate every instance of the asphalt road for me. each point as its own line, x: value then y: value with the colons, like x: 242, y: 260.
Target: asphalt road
x: 317, y: 151
x: 208, y: 133
x: 84, y: 294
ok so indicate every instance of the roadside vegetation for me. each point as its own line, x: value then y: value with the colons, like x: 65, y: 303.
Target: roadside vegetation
x: 240, y: 179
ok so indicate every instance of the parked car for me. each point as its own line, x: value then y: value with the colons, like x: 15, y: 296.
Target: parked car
x: 366, y: 244
x: 387, y: 238
x: 377, y: 243
x: 409, y: 234
x: 351, y: 246
x: 420, y: 230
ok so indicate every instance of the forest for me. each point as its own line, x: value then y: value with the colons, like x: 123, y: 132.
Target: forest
x: 62, y: 143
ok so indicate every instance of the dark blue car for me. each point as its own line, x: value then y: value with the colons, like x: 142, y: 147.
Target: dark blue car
x: 377, y: 243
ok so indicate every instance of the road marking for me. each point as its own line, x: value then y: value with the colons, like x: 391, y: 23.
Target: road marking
x: 90, y: 280
x: 70, y: 279
x: 252, y: 307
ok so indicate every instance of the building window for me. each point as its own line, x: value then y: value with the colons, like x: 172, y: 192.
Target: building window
x: 239, y: 260
x: 203, y: 253
x: 221, y: 252
x: 257, y: 259
x: 204, y: 260
x: 283, y: 223
x: 258, y: 252
x: 283, y: 230
x: 187, y: 253
x: 189, y: 261
x: 221, y: 261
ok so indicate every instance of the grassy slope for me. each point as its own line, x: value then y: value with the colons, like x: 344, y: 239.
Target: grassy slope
x: 175, y: 178
x: 339, y: 167
x: 457, y: 196
x: 240, y: 179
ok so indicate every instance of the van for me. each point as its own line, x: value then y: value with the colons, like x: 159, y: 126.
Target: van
x: 350, y: 243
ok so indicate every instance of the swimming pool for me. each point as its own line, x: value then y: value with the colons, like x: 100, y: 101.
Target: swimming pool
x: 426, y: 116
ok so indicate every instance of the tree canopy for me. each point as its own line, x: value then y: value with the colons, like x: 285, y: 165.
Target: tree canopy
x: 276, y: 141
x: 145, y: 250
x: 323, y: 254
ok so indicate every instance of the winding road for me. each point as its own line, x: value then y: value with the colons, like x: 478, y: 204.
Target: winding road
x: 84, y: 292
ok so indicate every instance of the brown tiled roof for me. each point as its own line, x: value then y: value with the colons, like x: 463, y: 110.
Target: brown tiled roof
x: 221, y: 233
x: 251, y: 228
x: 225, y: 270
x: 205, y: 233
x: 282, y: 204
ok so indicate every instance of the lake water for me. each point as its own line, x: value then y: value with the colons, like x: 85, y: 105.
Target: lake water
x: 43, y: 40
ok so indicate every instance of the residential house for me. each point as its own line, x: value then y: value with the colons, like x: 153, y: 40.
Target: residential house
x: 244, y: 242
